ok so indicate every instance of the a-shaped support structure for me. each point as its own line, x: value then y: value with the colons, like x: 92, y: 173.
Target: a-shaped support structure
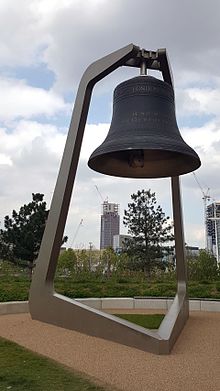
x: 48, y: 306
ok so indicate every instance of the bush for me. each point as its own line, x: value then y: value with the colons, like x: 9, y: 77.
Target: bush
x: 9, y: 269
x: 67, y: 263
x: 218, y: 286
x: 14, y: 288
x: 203, y: 268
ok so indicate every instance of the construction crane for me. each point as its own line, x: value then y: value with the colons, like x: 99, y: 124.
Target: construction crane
x: 106, y: 200
x: 99, y: 193
x: 206, y: 197
x: 76, y: 232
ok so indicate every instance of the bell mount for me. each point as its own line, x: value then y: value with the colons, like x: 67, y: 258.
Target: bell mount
x: 50, y: 307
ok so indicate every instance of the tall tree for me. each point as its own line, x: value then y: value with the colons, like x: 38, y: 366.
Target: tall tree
x: 150, y: 230
x: 67, y: 262
x: 203, y: 267
x: 20, y: 240
x: 109, y: 261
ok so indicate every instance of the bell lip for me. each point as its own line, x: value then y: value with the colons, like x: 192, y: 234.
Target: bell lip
x: 144, y: 142
x: 93, y: 164
x: 107, y: 148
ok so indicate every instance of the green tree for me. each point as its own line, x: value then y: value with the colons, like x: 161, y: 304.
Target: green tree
x: 150, y: 230
x: 83, y: 261
x: 109, y: 261
x: 203, y: 267
x: 23, y: 231
x: 67, y: 262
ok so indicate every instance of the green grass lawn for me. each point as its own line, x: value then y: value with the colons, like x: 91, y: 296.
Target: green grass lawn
x: 149, y: 321
x: 22, y: 370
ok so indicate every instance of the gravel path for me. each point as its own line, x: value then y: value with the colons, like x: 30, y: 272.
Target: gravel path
x: 193, y: 365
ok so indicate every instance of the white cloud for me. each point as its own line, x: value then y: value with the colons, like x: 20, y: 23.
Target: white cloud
x: 83, y: 32
x: 67, y: 36
x: 94, y: 136
x: 34, y: 151
x: 204, y: 136
x: 4, y: 159
x: 195, y: 235
x: 21, y: 33
x: 32, y: 163
x: 198, y: 101
x: 21, y: 100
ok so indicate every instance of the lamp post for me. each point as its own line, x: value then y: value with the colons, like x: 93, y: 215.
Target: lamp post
x: 48, y: 306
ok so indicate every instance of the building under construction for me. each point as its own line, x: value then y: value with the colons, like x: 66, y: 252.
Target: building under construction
x: 110, y: 223
x: 213, y: 229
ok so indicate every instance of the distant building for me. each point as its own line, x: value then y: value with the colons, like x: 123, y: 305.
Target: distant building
x: 110, y: 223
x: 62, y: 250
x: 213, y: 228
x: 119, y: 242
x: 192, y: 251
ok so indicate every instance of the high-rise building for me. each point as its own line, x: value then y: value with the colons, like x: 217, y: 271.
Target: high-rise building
x: 119, y: 242
x: 110, y: 222
x: 213, y: 229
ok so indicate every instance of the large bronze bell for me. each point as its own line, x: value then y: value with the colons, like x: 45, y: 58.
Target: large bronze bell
x: 144, y: 140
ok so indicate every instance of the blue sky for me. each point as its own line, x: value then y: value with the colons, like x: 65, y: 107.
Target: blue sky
x: 45, y: 46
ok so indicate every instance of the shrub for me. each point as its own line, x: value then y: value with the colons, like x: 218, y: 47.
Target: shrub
x: 203, y: 268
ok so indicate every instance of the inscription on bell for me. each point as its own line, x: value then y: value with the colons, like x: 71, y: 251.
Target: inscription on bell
x: 144, y: 88
x: 147, y: 116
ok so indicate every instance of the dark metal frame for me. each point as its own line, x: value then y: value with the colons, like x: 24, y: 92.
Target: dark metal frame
x: 48, y: 306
